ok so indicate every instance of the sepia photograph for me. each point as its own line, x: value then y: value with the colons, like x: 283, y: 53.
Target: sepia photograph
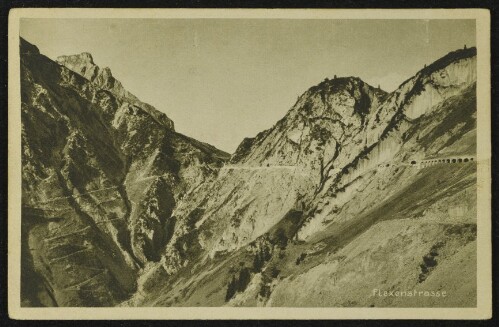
x: 254, y: 163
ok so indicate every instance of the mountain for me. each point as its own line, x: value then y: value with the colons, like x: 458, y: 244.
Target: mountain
x: 349, y: 192
x: 102, y: 172
x: 354, y: 190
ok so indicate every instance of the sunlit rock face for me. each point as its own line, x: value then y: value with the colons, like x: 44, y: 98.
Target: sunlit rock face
x: 267, y: 176
x: 354, y: 189
x: 443, y: 91
x: 333, y: 194
x: 101, y: 175
x: 335, y: 133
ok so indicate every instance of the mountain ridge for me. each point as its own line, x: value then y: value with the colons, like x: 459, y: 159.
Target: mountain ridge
x: 95, y: 164
x: 247, y: 218
x: 84, y: 65
x: 191, y: 226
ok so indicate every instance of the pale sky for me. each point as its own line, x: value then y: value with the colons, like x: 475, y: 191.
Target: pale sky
x: 221, y: 80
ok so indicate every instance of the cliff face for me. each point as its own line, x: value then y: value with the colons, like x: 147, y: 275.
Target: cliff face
x: 101, y: 173
x: 354, y: 189
x: 272, y: 173
x: 331, y: 202
x: 443, y: 91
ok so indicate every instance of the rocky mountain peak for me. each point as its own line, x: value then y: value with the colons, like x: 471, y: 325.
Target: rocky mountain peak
x: 106, y: 72
x: 82, y: 58
x: 344, y: 83
x: 83, y: 64
x: 347, y: 90
x: 448, y: 59
x: 88, y: 57
x: 341, y: 83
x: 332, y: 111
x: 437, y: 81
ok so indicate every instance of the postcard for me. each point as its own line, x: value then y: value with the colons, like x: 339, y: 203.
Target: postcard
x: 249, y: 164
